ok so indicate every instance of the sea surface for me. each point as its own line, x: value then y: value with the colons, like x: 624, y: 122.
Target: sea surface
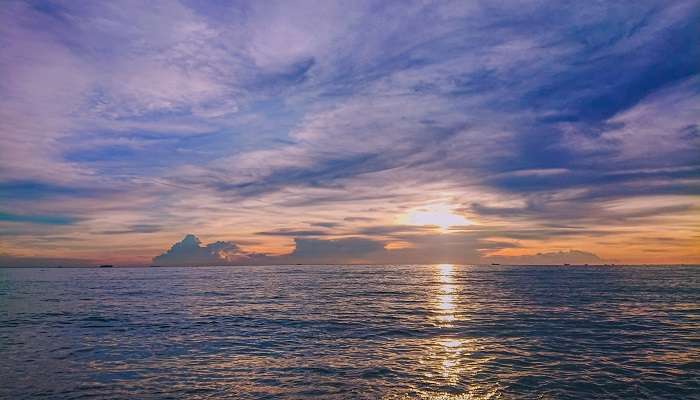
x: 366, y: 332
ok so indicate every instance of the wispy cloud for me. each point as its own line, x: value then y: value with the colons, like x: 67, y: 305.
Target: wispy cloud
x: 137, y: 122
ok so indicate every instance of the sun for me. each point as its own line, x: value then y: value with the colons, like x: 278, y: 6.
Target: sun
x: 441, y: 216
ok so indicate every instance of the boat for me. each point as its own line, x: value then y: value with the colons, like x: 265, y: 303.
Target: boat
x: 106, y: 266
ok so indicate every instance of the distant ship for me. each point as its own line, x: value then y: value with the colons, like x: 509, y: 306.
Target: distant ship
x: 106, y: 266
x: 495, y: 264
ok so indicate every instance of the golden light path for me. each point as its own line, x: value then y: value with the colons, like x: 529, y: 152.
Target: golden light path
x: 451, y: 347
x: 446, y: 296
x: 454, y: 353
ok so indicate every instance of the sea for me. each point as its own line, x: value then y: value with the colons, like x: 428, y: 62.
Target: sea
x: 351, y: 332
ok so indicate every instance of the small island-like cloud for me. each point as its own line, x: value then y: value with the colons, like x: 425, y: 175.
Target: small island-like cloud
x: 190, y: 251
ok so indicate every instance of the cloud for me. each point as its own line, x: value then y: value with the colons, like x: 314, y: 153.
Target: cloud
x: 292, y: 232
x: 139, y: 120
x: 325, y: 224
x: 343, y: 250
x: 422, y: 249
x: 38, y: 219
x: 190, y: 252
x: 137, y: 228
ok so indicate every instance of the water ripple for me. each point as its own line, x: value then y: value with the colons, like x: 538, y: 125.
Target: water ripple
x: 394, y: 332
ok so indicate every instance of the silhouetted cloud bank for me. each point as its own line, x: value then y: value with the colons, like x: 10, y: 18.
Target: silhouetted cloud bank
x: 190, y: 252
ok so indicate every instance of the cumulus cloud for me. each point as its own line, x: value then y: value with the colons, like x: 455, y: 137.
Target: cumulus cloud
x: 190, y: 252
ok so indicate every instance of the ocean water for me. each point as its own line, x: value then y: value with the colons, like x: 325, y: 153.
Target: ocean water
x: 296, y: 332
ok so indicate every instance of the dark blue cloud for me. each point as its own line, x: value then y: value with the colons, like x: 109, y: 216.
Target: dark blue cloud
x: 335, y: 249
x: 38, y: 219
x: 19, y: 190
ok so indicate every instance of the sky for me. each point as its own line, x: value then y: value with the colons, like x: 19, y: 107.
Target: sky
x: 263, y: 132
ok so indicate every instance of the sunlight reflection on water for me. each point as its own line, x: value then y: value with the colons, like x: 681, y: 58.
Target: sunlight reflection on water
x: 445, y: 295
x: 451, y: 353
